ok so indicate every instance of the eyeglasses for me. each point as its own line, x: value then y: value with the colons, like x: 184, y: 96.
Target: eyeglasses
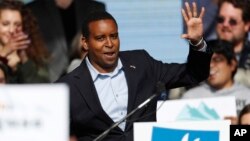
x: 232, y: 22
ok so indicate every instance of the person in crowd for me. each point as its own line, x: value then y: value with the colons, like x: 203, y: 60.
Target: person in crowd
x: 77, y: 53
x: 19, y: 32
x: 221, y: 82
x: 244, y: 116
x: 209, y: 34
x: 233, y: 24
x: 109, y: 83
x: 60, y: 21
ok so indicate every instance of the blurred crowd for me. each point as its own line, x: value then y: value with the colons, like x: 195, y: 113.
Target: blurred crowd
x: 38, y: 45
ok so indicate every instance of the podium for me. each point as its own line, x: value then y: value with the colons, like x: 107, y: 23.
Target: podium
x: 212, y: 130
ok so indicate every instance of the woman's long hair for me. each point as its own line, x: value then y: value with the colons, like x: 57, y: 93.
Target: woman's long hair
x: 36, y: 51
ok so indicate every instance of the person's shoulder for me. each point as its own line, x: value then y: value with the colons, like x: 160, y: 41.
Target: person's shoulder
x: 135, y: 55
x: 139, y: 56
x: 64, y: 79
x: 242, y: 87
x: 69, y: 77
x: 195, y: 92
x: 133, y: 52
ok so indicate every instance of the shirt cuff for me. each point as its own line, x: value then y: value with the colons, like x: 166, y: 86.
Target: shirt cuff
x: 204, y: 48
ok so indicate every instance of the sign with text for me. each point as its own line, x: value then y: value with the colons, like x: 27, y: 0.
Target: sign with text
x: 196, y: 109
x: 182, y: 131
x: 34, y: 112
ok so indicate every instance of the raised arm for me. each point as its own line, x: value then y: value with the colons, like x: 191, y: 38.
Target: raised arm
x: 194, y: 23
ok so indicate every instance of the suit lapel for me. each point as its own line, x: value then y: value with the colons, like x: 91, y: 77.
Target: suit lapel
x: 85, y: 83
x: 130, y: 71
x: 87, y: 89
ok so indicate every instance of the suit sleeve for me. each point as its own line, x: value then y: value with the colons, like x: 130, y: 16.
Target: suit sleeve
x: 195, y: 70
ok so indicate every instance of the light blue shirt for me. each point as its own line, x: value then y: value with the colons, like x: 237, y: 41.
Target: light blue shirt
x: 112, y: 90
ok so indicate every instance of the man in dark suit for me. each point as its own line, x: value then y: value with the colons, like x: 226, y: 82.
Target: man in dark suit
x: 59, y: 22
x: 109, y: 84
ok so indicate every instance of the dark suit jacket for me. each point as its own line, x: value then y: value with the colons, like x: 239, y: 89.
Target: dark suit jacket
x: 51, y: 27
x: 142, y: 73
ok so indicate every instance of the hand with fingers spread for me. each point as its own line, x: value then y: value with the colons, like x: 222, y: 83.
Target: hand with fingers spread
x: 194, y: 23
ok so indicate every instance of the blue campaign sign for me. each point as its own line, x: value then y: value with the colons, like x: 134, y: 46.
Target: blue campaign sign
x: 170, y: 134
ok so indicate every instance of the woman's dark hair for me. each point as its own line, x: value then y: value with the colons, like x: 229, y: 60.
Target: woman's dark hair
x: 36, y: 50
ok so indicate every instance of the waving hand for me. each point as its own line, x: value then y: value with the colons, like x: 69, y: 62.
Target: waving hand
x: 194, y: 23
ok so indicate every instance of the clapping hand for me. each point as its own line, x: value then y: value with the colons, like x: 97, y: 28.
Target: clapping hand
x: 19, y: 41
x: 16, y: 42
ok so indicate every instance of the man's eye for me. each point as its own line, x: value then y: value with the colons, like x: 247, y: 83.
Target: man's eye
x: 100, y: 38
x: 114, y: 37
x: 217, y: 60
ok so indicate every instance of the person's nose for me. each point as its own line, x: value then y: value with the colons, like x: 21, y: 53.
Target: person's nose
x: 212, y: 64
x: 109, y: 43
x: 226, y: 23
x: 12, y: 29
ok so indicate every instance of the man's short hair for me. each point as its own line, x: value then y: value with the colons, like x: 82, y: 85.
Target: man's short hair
x: 224, y: 48
x: 95, y: 16
x: 244, y: 5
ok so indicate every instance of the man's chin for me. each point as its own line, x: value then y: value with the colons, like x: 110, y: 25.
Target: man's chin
x: 227, y: 38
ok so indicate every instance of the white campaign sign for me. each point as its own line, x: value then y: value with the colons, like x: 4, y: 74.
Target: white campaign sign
x: 196, y: 109
x: 34, y: 112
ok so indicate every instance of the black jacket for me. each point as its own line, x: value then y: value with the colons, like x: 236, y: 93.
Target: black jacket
x: 88, y: 119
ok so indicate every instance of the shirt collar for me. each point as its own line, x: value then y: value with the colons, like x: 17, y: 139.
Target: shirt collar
x: 95, y: 73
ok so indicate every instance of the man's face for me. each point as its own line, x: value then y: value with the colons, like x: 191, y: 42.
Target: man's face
x: 10, y: 24
x: 102, y: 45
x: 221, y: 72
x: 230, y: 25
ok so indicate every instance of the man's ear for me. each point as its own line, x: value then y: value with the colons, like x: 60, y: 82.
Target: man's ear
x: 247, y: 27
x: 84, y: 43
